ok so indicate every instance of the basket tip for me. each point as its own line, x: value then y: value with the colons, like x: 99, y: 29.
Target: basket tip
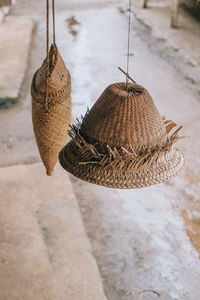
x: 49, y: 172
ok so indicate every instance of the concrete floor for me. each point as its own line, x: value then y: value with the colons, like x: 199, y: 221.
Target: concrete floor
x: 146, y: 241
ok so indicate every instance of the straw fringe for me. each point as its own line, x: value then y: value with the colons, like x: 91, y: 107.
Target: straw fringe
x: 121, y: 157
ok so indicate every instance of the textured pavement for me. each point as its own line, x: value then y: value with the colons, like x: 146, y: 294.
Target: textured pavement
x: 44, y: 251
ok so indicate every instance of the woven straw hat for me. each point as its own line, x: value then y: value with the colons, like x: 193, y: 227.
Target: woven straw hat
x: 51, y: 107
x: 123, y: 141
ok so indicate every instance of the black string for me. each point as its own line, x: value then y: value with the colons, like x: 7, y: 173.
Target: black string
x: 47, y: 47
x: 53, y: 14
x: 128, y: 44
x: 47, y: 58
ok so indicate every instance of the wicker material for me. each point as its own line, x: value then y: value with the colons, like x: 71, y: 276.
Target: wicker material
x: 50, y: 128
x: 123, y: 141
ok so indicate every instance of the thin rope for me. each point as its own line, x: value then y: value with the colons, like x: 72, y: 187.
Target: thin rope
x: 47, y: 27
x: 54, y: 26
x: 128, y: 44
x: 47, y: 55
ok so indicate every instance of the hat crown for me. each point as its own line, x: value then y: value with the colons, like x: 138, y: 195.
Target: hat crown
x: 125, y: 116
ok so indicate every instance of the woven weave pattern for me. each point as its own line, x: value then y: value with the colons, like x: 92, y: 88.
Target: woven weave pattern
x: 51, y: 129
x: 166, y: 167
x: 127, y: 118
x: 123, y: 142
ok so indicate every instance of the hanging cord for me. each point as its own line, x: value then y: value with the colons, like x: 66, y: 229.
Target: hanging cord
x: 54, y: 26
x: 47, y: 48
x: 47, y: 56
x: 128, y: 49
x: 128, y: 44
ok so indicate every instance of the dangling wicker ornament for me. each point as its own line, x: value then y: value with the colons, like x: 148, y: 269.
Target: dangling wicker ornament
x: 123, y: 141
x: 51, y: 105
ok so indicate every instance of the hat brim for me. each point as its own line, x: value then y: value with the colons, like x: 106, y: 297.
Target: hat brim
x: 164, y: 168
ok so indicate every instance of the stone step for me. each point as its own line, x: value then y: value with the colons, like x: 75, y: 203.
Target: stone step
x: 15, y: 33
x: 44, y: 249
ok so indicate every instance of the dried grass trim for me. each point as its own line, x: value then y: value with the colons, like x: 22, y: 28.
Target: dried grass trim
x: 121, y: 157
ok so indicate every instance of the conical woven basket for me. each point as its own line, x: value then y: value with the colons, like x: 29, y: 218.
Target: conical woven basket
x: 123, y: 141
x: 50, y: 127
